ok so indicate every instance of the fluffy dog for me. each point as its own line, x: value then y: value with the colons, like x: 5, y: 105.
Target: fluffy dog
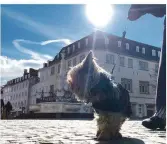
x: 110, y: 100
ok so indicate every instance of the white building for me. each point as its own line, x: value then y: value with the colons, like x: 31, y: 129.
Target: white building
x: 17, y: 91
x: 136, y: 66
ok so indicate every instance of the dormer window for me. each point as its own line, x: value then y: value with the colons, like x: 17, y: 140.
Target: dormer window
x: 143, y: 50
x: 119, y: 43
x: 86, y: 41
x: 78, y: 44
x: 127, y: 46
x: 159, y: 53
x: 68, y: 50
x: 73, y: 48
x: 153, y: 53
x: 137, y: 48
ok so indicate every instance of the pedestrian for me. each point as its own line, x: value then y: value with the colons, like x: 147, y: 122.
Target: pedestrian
x: 158, y: 120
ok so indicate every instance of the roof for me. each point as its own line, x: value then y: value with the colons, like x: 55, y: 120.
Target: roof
x: 112, y: 46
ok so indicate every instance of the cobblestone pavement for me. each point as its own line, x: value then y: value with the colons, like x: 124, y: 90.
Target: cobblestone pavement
x: 72, y: 131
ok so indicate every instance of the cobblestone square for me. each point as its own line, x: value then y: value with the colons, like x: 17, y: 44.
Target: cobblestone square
x: 72, y: 132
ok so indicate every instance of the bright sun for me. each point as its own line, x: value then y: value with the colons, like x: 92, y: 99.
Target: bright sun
x: 99, y: 14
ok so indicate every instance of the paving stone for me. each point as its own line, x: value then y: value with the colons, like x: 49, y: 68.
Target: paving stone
x: 72, y: 132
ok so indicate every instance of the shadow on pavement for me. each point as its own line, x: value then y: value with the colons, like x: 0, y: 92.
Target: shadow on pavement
x: 122, y: 141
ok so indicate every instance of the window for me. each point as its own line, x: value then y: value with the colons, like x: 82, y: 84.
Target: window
x: 58, y: 68
x: 130, y: 63
x: 69, y: 63
x: 140, y: 108
x: 122, y: 61
x: 110, y: 58
x: 106, y: 41
x: 127, y: 84
x: 68, y: 50
x: 22, y: 94
x: 143, y: 50
x: 27, y: 83
x: 52, y: 88
x: 86, y: 41
x: 52, y: 70
x: 137, y: 48
x: 144, y: 87
x: 143, y: 65
x: 73, y: 48
x: 153, y: 53
x: 119, y: 43
x: 127, y: 46
x: 78, y: 44
x: 74, y: 61
x: 25, y: 93
x: 159, y: 53
x: 82, y: 57
x: 156, y: 68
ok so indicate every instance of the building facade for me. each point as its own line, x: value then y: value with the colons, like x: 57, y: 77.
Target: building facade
x: 17, y: 91
x: 133, y: 64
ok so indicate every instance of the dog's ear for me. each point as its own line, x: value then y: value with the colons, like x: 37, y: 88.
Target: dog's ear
x: 88, y: 60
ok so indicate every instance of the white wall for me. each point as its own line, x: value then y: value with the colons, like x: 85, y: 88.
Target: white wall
x: 18, y: 95
x: 119, y: 72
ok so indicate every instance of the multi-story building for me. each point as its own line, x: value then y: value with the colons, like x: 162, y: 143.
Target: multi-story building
x: 135, y: 67
x: 17, y: 91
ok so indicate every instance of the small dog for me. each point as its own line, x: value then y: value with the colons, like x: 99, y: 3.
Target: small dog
x: 110, y: 100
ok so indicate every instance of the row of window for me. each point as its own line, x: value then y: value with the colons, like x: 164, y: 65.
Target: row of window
x: 110, y: 59
x: 143, y: 85
x: 16, y: 96
x: 16, y: 87
x: 74, y: 61
x: 127, y: 84
x: 19, y: 79
x: 69, y: 64
x: 119, y: 45
x: 19, y: 104
x: 138, y: 49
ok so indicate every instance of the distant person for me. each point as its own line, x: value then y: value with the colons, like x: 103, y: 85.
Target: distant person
x: 158, y: 120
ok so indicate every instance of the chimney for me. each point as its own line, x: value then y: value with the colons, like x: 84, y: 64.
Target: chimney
x: 25, y: 71
x: 124, y: 34
x: 33, y: 72
x: 44, y: 64
x: 48, y: 63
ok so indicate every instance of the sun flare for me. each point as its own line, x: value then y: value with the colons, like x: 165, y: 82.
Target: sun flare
x: 99, y: 14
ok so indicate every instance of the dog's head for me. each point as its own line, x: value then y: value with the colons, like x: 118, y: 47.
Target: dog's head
x: 84, y: 75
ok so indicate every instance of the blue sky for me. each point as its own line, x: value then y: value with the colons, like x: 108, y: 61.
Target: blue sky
x: 27, y: 30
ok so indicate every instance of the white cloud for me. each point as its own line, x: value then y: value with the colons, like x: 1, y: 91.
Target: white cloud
x: 65, y: 41
x: 13, y: 68
x: 34, y: 55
